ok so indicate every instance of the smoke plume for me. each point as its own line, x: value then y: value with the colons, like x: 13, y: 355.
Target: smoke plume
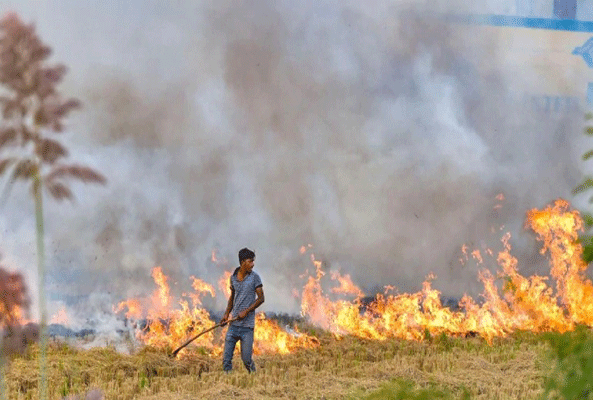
x: 366, y: 129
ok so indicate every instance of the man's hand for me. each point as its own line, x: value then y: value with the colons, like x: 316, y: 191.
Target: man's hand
x: 224, y: 320
x: 242, y: 314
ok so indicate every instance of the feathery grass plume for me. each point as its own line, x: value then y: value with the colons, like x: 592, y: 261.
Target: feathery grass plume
x: 33, y: 112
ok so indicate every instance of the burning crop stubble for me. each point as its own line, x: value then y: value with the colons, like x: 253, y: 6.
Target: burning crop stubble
x: 510, y: 301
x: 359, y: 364
x: 360, y: 128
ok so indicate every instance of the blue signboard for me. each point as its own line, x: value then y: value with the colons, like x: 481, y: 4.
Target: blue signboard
x: 585, y: 51
x: 524, y: 22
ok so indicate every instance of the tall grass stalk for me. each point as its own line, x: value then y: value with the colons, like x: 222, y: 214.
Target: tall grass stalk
x: 3, y: 382
x: 3, y: 362
x: 41, y: 273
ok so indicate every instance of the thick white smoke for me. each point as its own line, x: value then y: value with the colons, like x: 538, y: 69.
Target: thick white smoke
x: 363, y: 128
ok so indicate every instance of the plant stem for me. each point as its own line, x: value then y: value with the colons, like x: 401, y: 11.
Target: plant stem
x: 3, y: 367
x: 4, y: 383
x: 41, y: 273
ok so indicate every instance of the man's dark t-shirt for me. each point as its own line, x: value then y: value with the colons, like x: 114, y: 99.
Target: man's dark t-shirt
x: 244, y: 297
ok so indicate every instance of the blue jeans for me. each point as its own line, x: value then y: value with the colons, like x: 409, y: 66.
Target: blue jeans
x: 234, y: 334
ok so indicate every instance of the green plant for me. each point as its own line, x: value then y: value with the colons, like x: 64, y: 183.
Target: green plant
x: 586, y: 238
x: 572, y: 353
x: 65, y: 389
x: 427, y: 335
x: 401, y: 389
x: 143, y: 381
x: 445, y: 342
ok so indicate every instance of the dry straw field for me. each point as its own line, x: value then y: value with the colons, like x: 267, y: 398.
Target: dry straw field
x: 346, y: 368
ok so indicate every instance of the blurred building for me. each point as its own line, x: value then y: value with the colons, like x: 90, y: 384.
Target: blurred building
x: 548, y: 43
x: 565, y: 9
x: 581, y: 10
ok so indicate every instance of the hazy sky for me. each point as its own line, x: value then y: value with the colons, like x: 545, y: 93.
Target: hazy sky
x: 357, y: 127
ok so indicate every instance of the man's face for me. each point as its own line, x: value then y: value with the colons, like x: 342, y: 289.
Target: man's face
x: 248, y: 264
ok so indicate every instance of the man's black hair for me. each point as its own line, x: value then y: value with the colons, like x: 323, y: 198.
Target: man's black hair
x: 245, y: 254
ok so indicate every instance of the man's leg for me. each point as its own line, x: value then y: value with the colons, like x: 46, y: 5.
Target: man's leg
x: 247, y: 349
x: 229, y: 348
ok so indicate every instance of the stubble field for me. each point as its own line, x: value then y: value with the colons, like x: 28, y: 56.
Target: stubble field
x: 346, y: 368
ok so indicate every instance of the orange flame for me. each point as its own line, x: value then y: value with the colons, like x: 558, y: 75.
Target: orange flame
x: 13, y: 299
x: 169, y: 327
x: 388, y: 288
x: 270, y: 338
x: 61, y: 317
x: 162, y: 293
x: 217, y: 260
x: 558, y: 229
x: 510, y: 301
x: 201, y: 288
x: 524, y: 304
x: 463, y: 259
x: 346, y: 285
x: 224, y: 284
x: 499, y: 197
x: 166, y: 326
x: 133, y: 306
x: 477, y: 256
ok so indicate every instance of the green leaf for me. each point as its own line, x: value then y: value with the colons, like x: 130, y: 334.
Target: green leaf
x: 588, y: 116
x: 588, y: 220
x: 587, y: 155
x: 586, y: 241
x: 587, y: 184
x: 589, y: 130
x: 588, y: 253
x: 509, y: 286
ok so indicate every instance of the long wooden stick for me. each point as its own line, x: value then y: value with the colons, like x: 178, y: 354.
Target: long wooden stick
x: 174, y: 354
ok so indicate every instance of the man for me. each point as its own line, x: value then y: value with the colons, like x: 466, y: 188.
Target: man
x: 245, y: 285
